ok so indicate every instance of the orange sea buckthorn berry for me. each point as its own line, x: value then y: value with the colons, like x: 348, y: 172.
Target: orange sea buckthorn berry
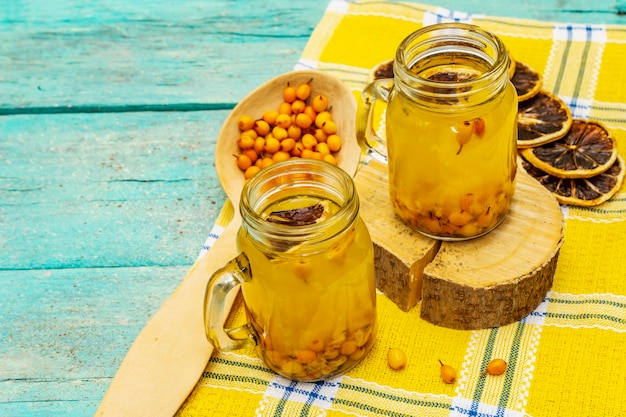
x: 265, y: 162
x: 304, y: 91
x: 270, y: 116
x: 308, y: 141
x: 287, y: 145
x: 243, y: 162
x: 297, y: 150
x: 319, y: 103
x: 272, y: 145
x: 307, y: 153
x: 306, y: 356
x: 250, y: 153
x: 470, y: 229
x: 322, y: 117
x: 485, y: 219
x: 289, y: 94
x: 316, y: 345
x: 294, y: 132
x: 396, y: 358
x: 280, y: 156
x: 322, y: 148
x: 348, y: 347
x: 496, y: 367
x: 448, y: 373
x: 309, y: 111
x: 320, y: 135
x: 250, y: 132
x: 283, y: 120
x: 303, y: 269
x: 245, y: 122
x: 329, y: 127
x: 259, y: 145
x: 464, y: 132
x: 261, y: 127
x: 479, y: 127
x: 459, y: 218
x: 330, y: 158
x: 303, y: 120
x: 279, y: 133
x: 251, y: 171
x: 245, y: 142
x: 297, y: 106
x: 284, y: 108
x: 334, y: 143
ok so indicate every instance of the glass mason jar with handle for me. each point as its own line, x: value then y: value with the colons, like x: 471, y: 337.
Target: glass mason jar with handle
x: 306, y: 272
x: 451, y: 131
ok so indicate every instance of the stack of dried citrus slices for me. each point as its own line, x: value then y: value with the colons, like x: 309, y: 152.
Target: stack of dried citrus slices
x: 575, y: 159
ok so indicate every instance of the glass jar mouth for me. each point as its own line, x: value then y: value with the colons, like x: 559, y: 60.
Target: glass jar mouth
x: 299, y: 177
x: 456, y: 45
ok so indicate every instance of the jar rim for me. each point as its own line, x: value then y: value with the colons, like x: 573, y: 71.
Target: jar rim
x: 284, y: 178
x: 437, y: 39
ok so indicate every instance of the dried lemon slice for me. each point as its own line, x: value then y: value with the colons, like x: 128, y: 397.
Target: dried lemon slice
x: 541, y: 119
x: 586, y: 150
x: 527, y: 82
x: 382, y: 70
x: 584, y: 192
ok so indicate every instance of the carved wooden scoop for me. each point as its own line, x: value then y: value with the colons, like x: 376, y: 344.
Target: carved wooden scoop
x: 169, y: 355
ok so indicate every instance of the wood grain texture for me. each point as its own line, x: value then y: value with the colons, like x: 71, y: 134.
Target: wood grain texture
x: 90, y: 247
x: 499, y: 278
x: 87, y: 54
x: 113, y: 190
x: 400, y: 253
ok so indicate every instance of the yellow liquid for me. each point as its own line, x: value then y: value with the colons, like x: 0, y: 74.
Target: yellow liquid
x: 314, y: 315
x: 447, y: 180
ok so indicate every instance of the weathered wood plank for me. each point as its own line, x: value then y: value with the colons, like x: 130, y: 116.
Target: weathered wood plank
x: 63, y: 333
x: 112, y: 190
x: 89, y: 53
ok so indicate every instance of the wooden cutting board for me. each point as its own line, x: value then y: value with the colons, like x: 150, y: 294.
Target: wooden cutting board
x: 485, y: 282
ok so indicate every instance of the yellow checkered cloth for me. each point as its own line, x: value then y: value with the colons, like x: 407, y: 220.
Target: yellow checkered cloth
x: 567, y: 358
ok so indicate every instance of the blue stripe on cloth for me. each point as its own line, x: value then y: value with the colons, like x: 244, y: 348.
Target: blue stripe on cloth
x: 287, y: 390
x: 320, y: 394
x: 581, y: 72
x: 486, y: 358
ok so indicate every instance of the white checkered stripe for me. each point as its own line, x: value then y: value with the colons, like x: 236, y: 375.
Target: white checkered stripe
x: 319, y: 394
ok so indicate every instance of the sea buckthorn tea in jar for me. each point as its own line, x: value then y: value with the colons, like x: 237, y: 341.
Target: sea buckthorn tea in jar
x: 451, y: 131
x: 306, y: 272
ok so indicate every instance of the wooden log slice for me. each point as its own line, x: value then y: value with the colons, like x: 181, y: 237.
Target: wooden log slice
x: 400, y: 253
x: 485, y: 282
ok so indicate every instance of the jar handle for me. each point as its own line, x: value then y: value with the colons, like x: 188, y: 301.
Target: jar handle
x: 220, y: 285
x: 372, y: 144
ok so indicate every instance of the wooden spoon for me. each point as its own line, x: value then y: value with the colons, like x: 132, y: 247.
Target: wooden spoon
x: 169, y: 355
x: 268, y: 96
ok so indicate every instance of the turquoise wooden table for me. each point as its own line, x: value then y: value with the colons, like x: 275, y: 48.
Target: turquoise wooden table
x: 109, y: 112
